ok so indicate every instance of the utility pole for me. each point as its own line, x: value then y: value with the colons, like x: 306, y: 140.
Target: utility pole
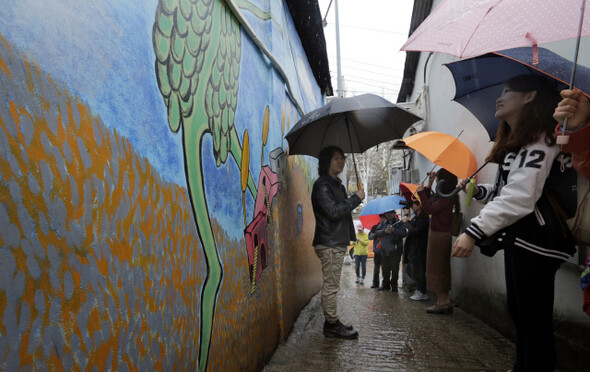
x: 339, y: 92
x: 338, y: 68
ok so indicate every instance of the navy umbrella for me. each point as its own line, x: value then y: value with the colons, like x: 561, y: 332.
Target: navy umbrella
x: 479, y: 81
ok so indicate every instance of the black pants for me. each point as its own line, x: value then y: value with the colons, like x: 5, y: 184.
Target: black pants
x: 417, y: 269
x: 530, y: 288
x: 377, y: 268
x: 390, y: 268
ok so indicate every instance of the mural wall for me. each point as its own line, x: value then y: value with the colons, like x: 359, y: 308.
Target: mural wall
x: 149, y: 217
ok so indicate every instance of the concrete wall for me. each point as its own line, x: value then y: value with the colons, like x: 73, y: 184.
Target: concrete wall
x: 478, y: 282
x: 149, y: 218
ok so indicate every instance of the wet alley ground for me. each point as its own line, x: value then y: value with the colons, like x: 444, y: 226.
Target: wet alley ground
x: 395, y: 334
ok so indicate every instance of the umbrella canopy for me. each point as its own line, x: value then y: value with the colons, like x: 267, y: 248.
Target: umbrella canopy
x: 445, y: 151
x: 408, y: 190
x: 369, y: 216
x: 479, y: 81
x: 468, y: 28
x: 354, y: 124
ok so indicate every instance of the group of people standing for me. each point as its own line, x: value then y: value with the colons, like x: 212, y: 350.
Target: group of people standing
x: 516, y: 218
x: 423, y: 242
x: 390, y: 249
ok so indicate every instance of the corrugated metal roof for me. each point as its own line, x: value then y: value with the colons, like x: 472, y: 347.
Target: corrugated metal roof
x: 308, y: 22
x: 421, y: 10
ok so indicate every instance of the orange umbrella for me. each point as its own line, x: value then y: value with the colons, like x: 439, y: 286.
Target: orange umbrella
x: 445, y: 151
x: 409, y: 190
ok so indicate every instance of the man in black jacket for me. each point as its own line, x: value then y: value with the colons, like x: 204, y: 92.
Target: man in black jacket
x: 391, y: 233
x: 415, y: 247
x: 333, y: 232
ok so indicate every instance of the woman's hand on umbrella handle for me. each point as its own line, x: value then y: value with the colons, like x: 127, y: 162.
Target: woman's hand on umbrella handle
x: 464, y: 183
x: 420, y: 187
x: 360, y: 193
x: 463, y: 246
x: 431, y: 177
x: 575, y: 107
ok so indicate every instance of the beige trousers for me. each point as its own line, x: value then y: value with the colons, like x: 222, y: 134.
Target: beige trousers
x: 331, y: 259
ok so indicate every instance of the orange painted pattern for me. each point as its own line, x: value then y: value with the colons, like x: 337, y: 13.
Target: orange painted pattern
x: 100, y: 260
x: 101, y: 256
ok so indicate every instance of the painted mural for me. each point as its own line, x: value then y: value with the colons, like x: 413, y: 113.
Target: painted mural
x: 149, y: 218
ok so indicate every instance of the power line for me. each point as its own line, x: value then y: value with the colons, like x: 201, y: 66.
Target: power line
x: 393, y: 92
x: 371, y: 72
x: 405, y: 34
x: 367, y: 63
x: 371, y: 85
x: 365, y: 78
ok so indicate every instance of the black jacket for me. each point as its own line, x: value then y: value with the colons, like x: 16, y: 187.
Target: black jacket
x: 417, y: 239
x: 332, y: 210
x: 392, y: 243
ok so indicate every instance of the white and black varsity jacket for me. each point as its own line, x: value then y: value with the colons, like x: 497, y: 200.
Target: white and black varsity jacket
x: 517, y: 211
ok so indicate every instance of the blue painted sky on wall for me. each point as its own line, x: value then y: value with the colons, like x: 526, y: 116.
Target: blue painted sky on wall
x: 102, y: 51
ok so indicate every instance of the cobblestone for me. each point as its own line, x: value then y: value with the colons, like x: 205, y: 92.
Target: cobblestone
x: 395, y: 334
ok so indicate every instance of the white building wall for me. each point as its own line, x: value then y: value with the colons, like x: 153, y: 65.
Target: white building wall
x: 478, y: 283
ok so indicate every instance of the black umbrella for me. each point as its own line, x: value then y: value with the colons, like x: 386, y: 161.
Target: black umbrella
x: 479, y: 81
x: 354, y: 124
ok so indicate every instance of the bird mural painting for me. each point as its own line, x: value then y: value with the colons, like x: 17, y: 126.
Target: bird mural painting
x: 198, y: 49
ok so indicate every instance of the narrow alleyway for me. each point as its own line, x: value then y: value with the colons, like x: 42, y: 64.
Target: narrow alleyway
x: 395, y: 334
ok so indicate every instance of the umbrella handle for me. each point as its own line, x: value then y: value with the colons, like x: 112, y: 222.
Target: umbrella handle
x: 439, y: 191
x: 458, y: 188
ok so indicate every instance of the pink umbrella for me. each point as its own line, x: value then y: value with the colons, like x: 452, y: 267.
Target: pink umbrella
x: 468, y: 28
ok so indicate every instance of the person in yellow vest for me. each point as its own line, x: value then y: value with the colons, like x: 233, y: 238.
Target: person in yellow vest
x: 361, y: 251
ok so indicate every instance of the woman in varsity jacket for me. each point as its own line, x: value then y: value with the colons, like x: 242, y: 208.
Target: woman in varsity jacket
x: 518, y: 216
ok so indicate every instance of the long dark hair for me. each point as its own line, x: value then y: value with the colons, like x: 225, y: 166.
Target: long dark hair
x: 326, y: 157
x: 536, y: 117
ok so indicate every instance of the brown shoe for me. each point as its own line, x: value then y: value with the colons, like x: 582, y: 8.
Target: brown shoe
x: 349, y: 327
x: 440, y: 309
x: 338, y: 330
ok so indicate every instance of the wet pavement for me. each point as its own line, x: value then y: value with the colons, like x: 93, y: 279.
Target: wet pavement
x: 395, y: 334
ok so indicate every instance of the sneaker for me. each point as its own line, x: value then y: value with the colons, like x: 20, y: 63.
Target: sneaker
x: 362, y: 281
x: 358, y: 280
x: 375, y: 285
x: 339, y: 330
x: 419, y: 296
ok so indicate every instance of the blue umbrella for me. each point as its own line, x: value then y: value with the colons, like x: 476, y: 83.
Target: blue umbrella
x: 370, y: 213
x: 480, y: 80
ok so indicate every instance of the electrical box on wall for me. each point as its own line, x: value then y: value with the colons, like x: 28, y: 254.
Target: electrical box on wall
x: 410, y: 175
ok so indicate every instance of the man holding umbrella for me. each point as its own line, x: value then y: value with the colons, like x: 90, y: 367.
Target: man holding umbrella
x: 333, y: 232
x: 391, y: 233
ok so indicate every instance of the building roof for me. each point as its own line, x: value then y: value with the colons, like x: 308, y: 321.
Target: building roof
x: 419, y: 13
x: 308, y: 23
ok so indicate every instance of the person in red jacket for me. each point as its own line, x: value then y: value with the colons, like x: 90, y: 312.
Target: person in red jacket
x: 576, y: 107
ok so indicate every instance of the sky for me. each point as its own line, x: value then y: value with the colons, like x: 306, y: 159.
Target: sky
x: 371, y: 34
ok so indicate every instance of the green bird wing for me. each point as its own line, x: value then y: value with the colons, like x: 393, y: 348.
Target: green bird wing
x: 198, y: 49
